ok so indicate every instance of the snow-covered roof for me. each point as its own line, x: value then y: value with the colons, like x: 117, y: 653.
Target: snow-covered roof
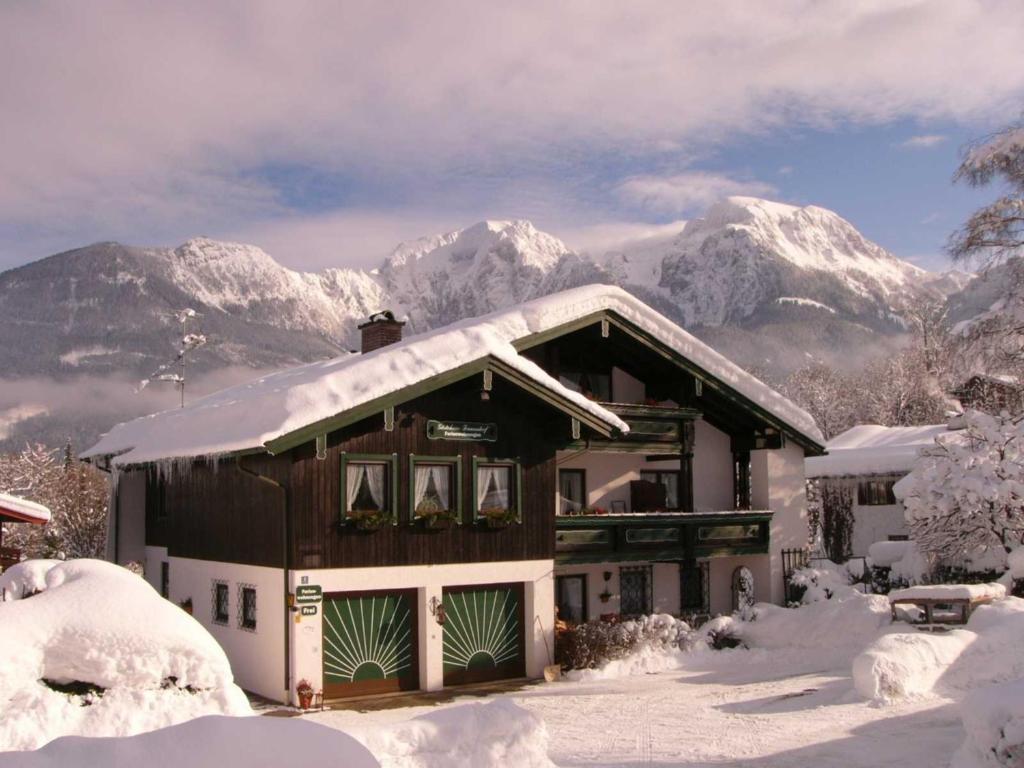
x: 22, y: 510
x: 871, y: 449
x: 250, y: 416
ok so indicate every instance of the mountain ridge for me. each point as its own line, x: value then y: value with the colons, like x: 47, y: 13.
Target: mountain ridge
x: 768, y: 284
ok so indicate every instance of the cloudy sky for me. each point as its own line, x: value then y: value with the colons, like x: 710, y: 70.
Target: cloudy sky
x: 328, y: 131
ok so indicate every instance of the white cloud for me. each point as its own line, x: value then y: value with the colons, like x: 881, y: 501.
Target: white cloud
x: 925, y: 141
x: 150, y: 122
x: 600, y: 238
x: 685, y: 192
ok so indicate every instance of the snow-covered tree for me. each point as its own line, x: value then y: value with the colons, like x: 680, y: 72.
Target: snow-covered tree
x: 993, y: 238
x: 76, y: 494
x: 900, y: 391
x: 825, y: 393
x: 965, y: 496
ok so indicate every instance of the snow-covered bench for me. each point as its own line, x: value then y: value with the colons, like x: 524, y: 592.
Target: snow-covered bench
x: 946, y: 603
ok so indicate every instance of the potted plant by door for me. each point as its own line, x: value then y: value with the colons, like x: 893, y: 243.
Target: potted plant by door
x: 434, y: 516
x: 305, y: 692
x: 497, y: 517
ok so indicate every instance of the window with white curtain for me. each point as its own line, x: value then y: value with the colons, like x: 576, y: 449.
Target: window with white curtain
x: 494, y: 486
x: 433, y: 488
x: 366, y: 486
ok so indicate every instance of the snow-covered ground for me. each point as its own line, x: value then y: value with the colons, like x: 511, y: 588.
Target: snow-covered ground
x: 736, y: 708
x: 832, y: 683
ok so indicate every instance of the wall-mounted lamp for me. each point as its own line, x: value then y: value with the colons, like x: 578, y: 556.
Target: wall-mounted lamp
x: 437, y: 611
x: 607, y: 575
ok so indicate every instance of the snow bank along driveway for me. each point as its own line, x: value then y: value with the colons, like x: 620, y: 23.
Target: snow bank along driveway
x: 149, y: 663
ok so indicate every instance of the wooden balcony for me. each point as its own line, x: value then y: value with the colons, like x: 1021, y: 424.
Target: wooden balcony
x: 660, y: 536
x: 653, y: 429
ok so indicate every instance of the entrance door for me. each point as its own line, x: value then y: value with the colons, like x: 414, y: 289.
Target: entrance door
x: 483, y: 634
x: 571, y: 598
x: 369, y: 643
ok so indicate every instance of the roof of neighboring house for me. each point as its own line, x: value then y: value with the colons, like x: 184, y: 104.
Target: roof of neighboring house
x: 17, y: 510
x: 871, y: 449
x: 262, y: 414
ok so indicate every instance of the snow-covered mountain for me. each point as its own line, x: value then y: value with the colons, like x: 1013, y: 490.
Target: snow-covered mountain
x: 769, y: 284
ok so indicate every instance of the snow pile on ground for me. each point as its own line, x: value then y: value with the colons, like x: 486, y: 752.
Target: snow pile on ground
x: 912, y: 663
x: 994, y: 723
x: 147, y: 663
x: 206, y: 742
x: 25, y: 579
x: 831, y: 630
x: 498, y: 734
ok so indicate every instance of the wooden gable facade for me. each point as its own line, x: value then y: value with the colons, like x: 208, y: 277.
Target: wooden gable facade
x: 286, y: 509
x: 234, y: 510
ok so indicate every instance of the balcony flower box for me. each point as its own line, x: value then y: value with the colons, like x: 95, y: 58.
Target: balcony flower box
x: 434, y: 518
x: 497, y: 517
x: 367, y: 519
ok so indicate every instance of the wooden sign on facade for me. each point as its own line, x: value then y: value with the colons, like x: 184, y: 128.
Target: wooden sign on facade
x: 309, y: 594
x: 462, y: 430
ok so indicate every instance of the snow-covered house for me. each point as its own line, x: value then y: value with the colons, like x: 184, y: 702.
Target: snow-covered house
x: 412, y: 517
x: 14, y: 509
x: 869, y: 460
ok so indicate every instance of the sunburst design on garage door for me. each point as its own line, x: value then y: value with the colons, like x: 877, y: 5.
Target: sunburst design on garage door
x: 366, y: 638
x: 481, y: 629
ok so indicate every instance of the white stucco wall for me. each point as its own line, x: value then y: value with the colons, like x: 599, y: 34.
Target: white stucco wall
x: 626, y: 388
x: 155, y: 556
x: 664, y: 592
x: 665, y: 589
x: 871, y: 524
x: 429, y: 580
x: 721, y: 571
x: 712, y: 469
x: 257, y: 657
x: 609, y: 474
x: 778, y: 484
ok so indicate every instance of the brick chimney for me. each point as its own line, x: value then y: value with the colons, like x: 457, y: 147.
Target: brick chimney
x: 380, y: 330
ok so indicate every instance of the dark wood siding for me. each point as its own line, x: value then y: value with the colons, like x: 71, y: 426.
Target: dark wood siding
x: 219, y: 512
x: 528, y: 430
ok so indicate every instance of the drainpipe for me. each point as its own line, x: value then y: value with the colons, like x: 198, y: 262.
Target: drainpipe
x: 286, y: 520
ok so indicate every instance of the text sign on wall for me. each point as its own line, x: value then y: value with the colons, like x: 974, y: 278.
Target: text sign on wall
x: 309, y: 610
x: 462, y: 430
x: 310, y: 593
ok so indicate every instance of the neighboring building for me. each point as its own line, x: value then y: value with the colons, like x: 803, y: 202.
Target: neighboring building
x: 869, y: 459
x: 14, y: 509
x: 991, y: 394
x: 410, y: 517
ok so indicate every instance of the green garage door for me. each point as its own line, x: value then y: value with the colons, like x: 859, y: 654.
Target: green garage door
x: 483, y: 633
x: 369, y: 643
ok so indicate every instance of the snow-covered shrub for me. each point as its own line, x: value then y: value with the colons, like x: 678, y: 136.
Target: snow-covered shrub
x: 822, y: 582
x: 141, y: 662
x: 595, y: 643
